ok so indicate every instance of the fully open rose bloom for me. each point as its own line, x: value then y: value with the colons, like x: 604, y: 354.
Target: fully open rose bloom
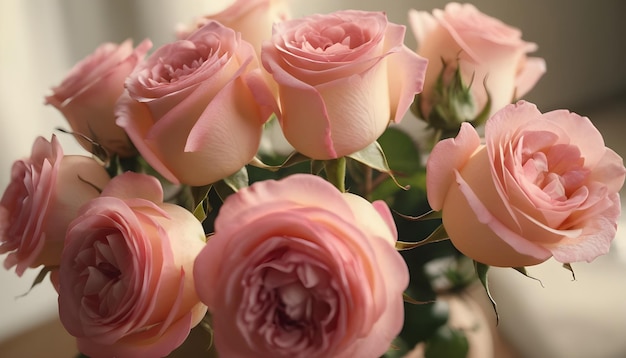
x: 483, y: 47
x: 297, y: 269
x: 87, y: 95
x: 125, y: 284
x: 43, y: 197
x: 342, y: 78
x: 195, y: 108
x: 543, y: 185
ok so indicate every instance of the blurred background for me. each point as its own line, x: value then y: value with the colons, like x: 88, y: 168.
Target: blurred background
x: 583, y: 43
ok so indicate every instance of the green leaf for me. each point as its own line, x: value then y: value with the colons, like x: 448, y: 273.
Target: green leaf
x: 447, y: 342
x: 316, y: 167
x: 421, y: 321
x: 39, y: 279
x: 481, y: 272
x: 374, y: 157
x: 401, y: 151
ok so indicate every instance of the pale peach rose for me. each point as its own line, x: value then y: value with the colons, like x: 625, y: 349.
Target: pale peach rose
x: 342, y: 78
x: 252, y: 18
x: 483, y: 47
x: 543, y: 185
x: 43, y: 197
x: 88, y: 93
x: 196, y: 107
x: 297, y: 269
x: 125, y: 284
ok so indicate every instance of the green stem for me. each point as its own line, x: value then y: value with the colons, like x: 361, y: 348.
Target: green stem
x: 336, y: 172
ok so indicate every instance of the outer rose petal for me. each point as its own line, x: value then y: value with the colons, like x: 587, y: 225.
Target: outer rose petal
x: 530, y: 73
x: 446, y: 156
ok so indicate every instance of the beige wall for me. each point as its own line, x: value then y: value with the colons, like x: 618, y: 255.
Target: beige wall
x: 583, y: 41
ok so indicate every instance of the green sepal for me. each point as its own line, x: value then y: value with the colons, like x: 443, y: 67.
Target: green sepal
x: 40, y: 277
x: 523, y: 271
x: 374, y: 157
x: 97, y: 150
x: 231, y: 184
x: 258, y: 163
x: 408, y: 299
x: 452, y: 104
x: 483, y: 115
x: 568, y: 266
x: 431, y: 215
x: 201, y: 205
x: 481, y: 273
x: 439, y: 234
x: 237, y: 180
x: 291, y: 160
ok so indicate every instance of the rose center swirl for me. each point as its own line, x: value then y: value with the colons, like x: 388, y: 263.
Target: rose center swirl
x: 191, y: 56
x: 102, y: 276
x: 556, y: 170
x: 289, y: 301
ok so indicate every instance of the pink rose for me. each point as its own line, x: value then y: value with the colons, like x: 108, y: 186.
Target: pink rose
x: 125, y: 284
x: 297, y: 269
x: 195, y: 108
x: 341, y: 77
x: 543, y: 185
x: 483, y: 46
x: 41, y: 200
x: 87, y: 95
x: 252, y: 18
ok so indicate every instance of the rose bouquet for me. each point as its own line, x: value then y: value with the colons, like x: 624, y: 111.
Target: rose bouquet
x: 247, y: 190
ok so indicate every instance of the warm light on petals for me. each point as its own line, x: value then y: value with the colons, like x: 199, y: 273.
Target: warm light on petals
x: 552, y: 188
